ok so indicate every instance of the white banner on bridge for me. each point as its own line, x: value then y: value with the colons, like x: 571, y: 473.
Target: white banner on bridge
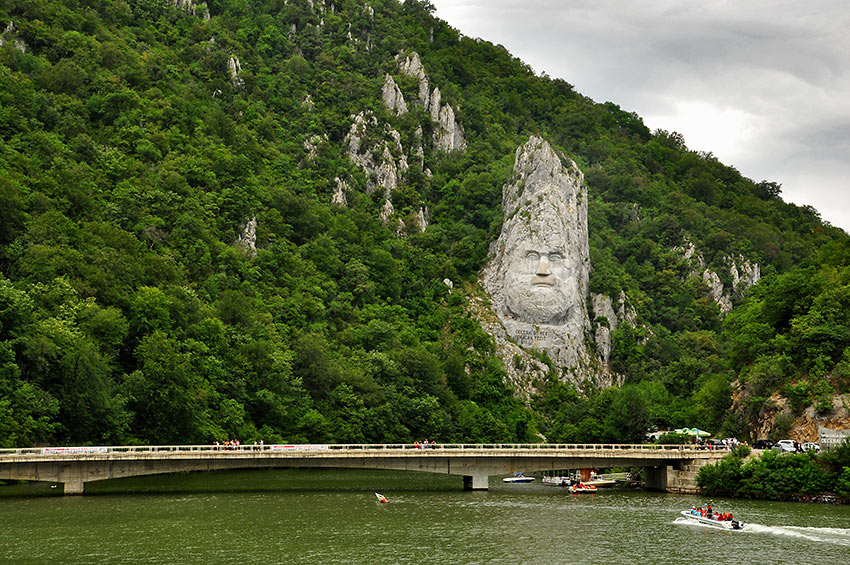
x: 82, y: 449
x: 297, y: 447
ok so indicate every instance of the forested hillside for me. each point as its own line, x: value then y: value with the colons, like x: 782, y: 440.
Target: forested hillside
x: 139, y: 138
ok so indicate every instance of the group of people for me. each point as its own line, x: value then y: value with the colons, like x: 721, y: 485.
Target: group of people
x: 710, y: 514
x: 425, y: 444
x: 234, y: 444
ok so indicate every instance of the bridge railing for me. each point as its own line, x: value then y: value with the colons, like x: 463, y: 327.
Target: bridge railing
x: 454, y: 447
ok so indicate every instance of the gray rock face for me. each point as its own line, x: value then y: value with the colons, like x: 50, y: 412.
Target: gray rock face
x: 312, y: 144
x: 234, y: 68
x: 412, y: 66
x: 247, y: 240
x: 382, y: 169
x: 744, y: 275
x: 448, y: 136
x: 392, y: 97
x: 194, y: 8
x: 538, y: 276
x: 603, y: 308
x: 339, y: 197
x: 9, y: 35
x: 448, y: 133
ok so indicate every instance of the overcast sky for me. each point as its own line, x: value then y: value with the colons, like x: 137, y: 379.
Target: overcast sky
x: 763, y: 85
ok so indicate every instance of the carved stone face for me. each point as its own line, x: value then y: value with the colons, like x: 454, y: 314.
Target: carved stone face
x: 540, y: 283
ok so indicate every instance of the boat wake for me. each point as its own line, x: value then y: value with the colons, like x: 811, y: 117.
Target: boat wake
x: 696, y: 524
x: 838, y: 536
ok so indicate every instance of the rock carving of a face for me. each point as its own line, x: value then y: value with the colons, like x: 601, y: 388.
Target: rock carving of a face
x: 540, y: 284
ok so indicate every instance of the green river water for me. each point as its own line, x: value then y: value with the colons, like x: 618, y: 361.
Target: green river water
x: 332, y: 516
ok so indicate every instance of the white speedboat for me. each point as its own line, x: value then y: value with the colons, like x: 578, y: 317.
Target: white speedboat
x: 518, y: 478
x: 599, y: 483
x: 716, y: 521
x: 557, y: 481
x: 381, y: 498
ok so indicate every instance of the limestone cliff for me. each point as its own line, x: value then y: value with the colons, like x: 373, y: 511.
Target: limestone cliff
x: 538, y: 274
x: 743, y: 273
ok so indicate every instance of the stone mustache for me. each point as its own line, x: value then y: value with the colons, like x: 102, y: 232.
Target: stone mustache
x: 538, y: 275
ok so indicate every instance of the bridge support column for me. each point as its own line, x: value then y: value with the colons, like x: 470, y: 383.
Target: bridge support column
x: 74, y: 486
x: 476, y: 482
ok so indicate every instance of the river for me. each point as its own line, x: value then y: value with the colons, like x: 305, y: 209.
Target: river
x: 332, y: 516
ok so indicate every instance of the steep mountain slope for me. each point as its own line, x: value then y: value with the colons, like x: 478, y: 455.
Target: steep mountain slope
x: 235, y: 219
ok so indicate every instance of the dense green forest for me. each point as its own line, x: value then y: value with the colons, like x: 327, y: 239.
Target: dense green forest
x: 775, y: 476
x: 131, y: 159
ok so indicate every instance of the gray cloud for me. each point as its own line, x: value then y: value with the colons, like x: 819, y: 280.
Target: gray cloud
x: 764, y: 85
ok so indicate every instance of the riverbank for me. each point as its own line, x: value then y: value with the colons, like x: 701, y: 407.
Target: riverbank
x: 797, y: 477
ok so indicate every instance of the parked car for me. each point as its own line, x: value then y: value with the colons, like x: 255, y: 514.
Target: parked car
x: 811, y: 446
x: 762, y: 444
x: 784, y: 446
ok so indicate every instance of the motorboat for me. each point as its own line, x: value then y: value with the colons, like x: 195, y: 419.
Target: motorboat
x: 381, y: 498
x: 556, y: 481
x: 714, y: 520
x: 600, y: 483
x: 582, y: 488
x: 518, y: 478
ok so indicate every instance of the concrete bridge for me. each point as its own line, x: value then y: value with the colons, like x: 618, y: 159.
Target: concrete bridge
x: 670, y: 468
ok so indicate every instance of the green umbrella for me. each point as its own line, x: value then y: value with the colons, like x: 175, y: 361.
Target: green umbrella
x: 696, y: 432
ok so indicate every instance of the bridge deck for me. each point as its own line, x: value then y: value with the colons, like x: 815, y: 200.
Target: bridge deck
x: 75, y: 466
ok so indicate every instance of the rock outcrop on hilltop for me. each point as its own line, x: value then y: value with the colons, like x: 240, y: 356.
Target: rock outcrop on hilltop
x: 538, y: 276
x: 743, y: 273
x: 376, y: 148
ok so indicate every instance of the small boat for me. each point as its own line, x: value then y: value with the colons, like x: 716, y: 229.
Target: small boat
x: 582, y: 488
x: 381, y: 498
x: 518, y: 478
x: 715, y: 521
x: 599, y: 483
x: 556, y: 481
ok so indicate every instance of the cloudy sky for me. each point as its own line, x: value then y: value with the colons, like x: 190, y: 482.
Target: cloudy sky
x: 763, y: 85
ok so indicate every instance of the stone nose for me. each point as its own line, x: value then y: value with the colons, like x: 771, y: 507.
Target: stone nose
x: 543, y: 266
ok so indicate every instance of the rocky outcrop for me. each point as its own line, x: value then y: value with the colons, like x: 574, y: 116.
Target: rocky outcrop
x: 448, y: 136
x: 420, y: 221
x: 339, y: 198
x: 234, y: 67
x: 191, y: 7
x: 387, y: 212
x: 312, y: 145
x: 743, y: 273
x: 10, y: 35
x: 606, y: 319
x: 448, y: 132
x: 806, y: 426
x: 411, y: 66
x: 538, y: 274
x: 392, y: 97
x: 606, y: 322
x: 247, y: 239
x: 383, y: 170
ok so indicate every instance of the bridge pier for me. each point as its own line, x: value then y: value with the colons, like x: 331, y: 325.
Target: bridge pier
x: 74, y: 487
x: 476, y: 482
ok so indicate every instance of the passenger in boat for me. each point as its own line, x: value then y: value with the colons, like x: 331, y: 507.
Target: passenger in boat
x: 708, y: 512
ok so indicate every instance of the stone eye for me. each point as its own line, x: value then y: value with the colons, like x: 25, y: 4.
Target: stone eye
x: 533, y: 256
x: 555, y: 257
